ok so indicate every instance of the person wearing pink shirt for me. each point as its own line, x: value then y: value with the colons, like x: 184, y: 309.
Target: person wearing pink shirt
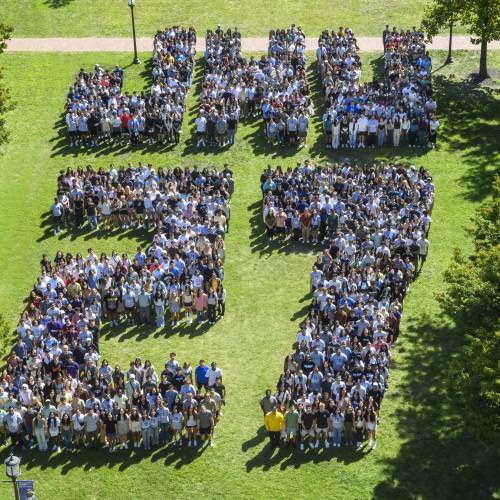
x: 200, y: 304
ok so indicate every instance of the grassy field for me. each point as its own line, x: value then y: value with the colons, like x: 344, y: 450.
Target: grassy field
x: 59, y: 18
x: 423, y: 451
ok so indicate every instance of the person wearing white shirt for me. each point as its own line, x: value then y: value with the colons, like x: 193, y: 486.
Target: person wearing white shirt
x: 423, y: 250
x: 213, y: 374
x: 201, y: 128
x: 361, y: 130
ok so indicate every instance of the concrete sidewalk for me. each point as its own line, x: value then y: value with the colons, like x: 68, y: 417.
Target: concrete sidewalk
x: 366, y: 44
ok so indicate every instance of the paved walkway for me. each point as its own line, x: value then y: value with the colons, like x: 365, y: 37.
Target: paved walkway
x: 366, y: 44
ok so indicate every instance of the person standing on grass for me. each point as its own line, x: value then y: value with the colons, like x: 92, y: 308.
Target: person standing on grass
x: 267, y: 402
x: 423, y: 250
x: 274, y: 422
x: 200, y: 305
x: 308, y: 424
x: 371, y: 426
x: 206, y: 424
x: 40, y: 431
x: 57, y: 210
x: 323, y: 425
x: 122, y: 429
x: 337, y: 426
x: 270, y: 223
x: 291, y: 427
x: 177, y: 424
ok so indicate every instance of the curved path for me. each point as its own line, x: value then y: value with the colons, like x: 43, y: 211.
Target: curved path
x: 366, y: 44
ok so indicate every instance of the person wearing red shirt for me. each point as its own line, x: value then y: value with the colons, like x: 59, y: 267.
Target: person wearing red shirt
x: 305, y: 224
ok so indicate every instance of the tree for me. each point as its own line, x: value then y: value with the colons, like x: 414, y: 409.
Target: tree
x: 439, y: 14
x: 472, y: 300
x: 5, y: 105
x: 481, y: 17
x: 5, y: 337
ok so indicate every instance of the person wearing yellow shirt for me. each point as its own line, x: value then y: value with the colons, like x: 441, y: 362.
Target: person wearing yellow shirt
x: 274, y: 422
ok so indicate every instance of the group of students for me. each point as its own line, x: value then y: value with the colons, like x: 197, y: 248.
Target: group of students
x: 95, y: 108
x: 398, y: 111
x: 141, y: 196
x: 222, y: 88
x: 57, y: 393
x: 286, y: 105
x: 373, y: 220
x: 97, y: 111
x: 180, y: 272
x: 172, y: 74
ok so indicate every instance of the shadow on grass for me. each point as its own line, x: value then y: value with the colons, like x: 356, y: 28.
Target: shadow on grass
x: 438, y: 458
x: 139, y: 332
x: 56, y: 4
x: 88, y: 460
x: 471, y: 115
x: 284, y: 458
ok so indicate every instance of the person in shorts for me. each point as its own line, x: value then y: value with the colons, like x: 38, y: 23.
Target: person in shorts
x: 323, y: 425
x: 308, y: 423
x: 206, y: 420
x: 290, y: 433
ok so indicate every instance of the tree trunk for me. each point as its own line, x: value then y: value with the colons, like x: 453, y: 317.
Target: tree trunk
x: 483, y: 67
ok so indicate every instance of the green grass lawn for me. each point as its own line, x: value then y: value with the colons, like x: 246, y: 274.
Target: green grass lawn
x: 59, y: 18
x: 423, y: 451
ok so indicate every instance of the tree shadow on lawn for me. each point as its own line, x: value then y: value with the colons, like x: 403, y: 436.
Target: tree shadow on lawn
x: 469, y: 112
x: 438, y: 458
x: 56, y: 4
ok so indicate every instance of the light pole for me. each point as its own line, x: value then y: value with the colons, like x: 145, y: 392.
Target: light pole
x: 449, y: 59
x: 131, y: 4
x: 13, y: 471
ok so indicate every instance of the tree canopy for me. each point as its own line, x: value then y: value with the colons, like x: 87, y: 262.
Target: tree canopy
x: 472, y: 299
x: 5, y: 104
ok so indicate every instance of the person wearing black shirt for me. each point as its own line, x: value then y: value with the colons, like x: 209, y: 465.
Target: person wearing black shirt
x: 323, y: 425
x: 307, y: 365
x: 79, y: 206
x: 308, y: 426
x: 178, y: 379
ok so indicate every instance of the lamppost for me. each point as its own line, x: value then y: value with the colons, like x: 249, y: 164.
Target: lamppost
x: 13, y: 471
x: 131, y: 4
x: 449, y: 59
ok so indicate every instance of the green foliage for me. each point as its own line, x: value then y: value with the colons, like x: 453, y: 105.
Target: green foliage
x: 472, y: 300
x: 486, y: 230
x: 482, y: 17
x: 5, y: 105
x: 439, y: 14
x: 5, y: 336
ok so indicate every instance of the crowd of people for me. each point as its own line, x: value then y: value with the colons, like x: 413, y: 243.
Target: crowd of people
x: 286, y: 105
x: 58, y: 393
x: 180, y: 272
x: 398, y: 111
x: 98, y: 111
x: 373, y: 220
x: 222, y: 89
x: 183, y: 205
x: 56, y: 389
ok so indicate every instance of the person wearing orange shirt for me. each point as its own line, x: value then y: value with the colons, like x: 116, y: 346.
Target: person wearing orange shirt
x: 305, y: 225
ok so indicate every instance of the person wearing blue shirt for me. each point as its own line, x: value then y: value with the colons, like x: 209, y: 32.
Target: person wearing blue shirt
x: 200, y: 374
